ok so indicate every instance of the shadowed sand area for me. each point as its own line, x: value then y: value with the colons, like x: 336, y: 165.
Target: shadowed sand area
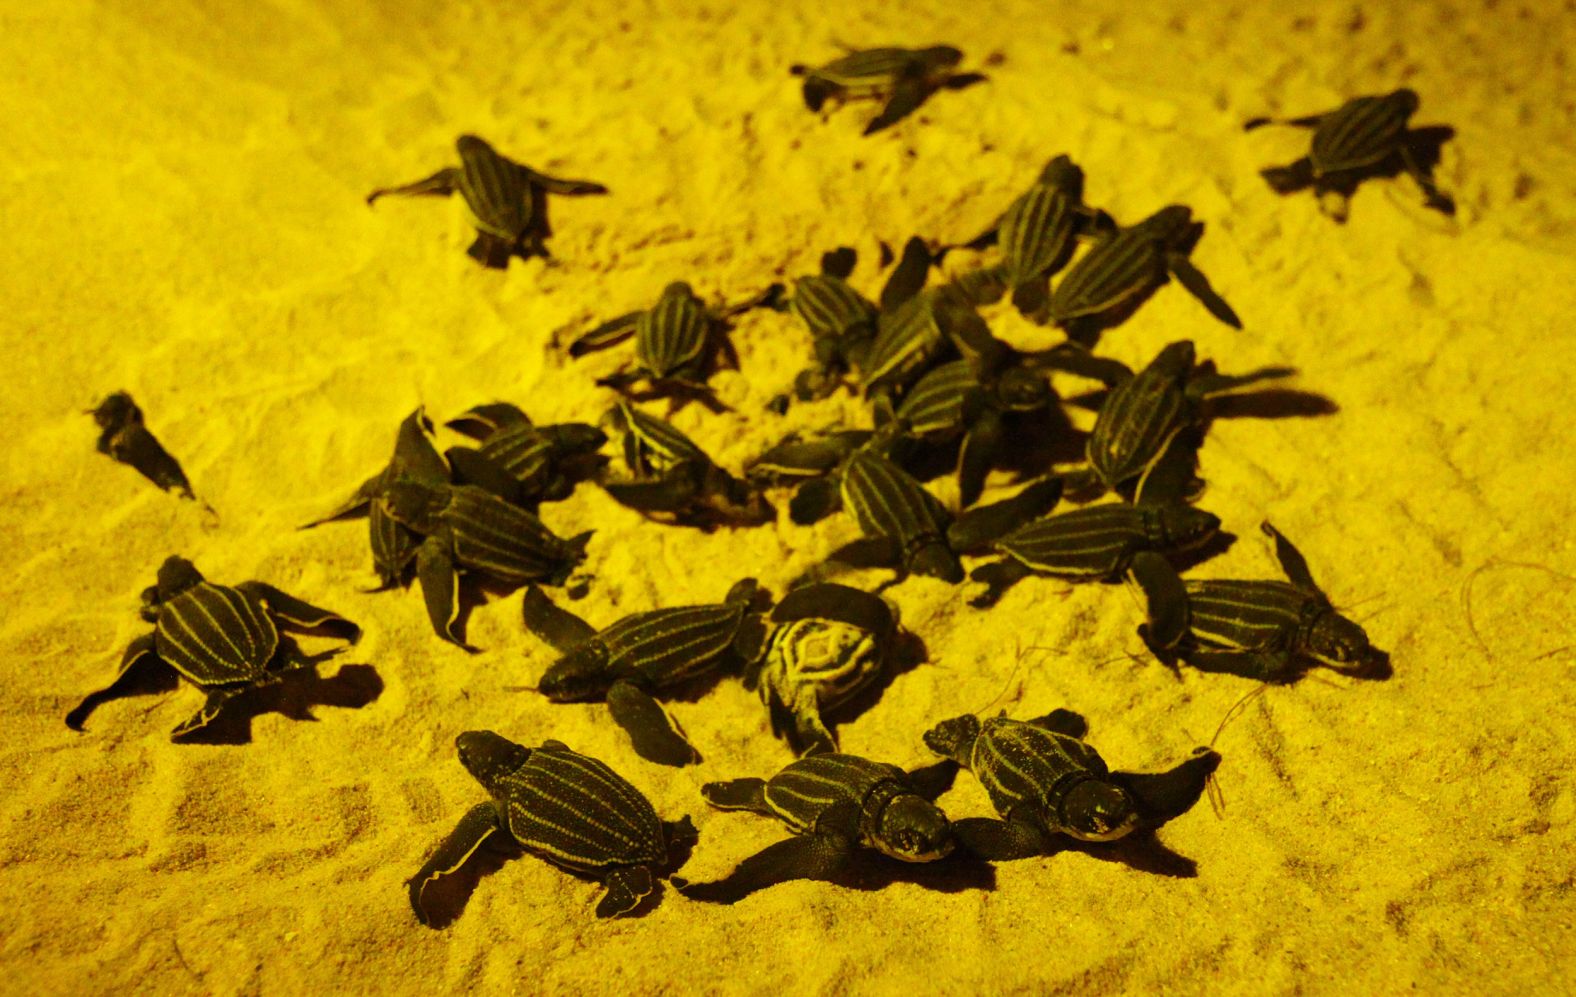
x: 182, y: 192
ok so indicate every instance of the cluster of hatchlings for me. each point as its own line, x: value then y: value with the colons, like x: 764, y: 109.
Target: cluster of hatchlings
x: 941, y: 385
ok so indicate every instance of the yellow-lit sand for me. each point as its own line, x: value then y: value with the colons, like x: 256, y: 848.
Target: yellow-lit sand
x: 181, y: 193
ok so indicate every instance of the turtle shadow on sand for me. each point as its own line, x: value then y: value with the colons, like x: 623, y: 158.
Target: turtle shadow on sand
x: 445, y: 897
x: 351, y: 687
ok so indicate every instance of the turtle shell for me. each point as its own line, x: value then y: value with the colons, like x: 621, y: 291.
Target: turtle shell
x: 934, y: 405
x: 671, y: 335
x: 523, y: 451
x: 1361, y: 132
x: 828, y: 637
x: 805, y: 790
x: 502, y: 540
x: 1140, y: 416
x: 576, y: 812
x: 495, y: 190
x: 670, y: 645
x: 1035, y: 232
x: 886, y: 502
x: 1023, y: 765
x: 1092, y: 542
x: 215, y: 635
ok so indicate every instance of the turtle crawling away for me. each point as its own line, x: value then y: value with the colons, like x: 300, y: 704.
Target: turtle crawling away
x: 1046, y: 782
x: 221, y: 639
x: 834, y: 804
x: 565, y: 807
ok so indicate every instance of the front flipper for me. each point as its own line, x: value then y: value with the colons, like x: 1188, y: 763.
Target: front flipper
x: 609, y: 333
x: 1261, y: 666
x: 1193, y: 279
x: 1000, y: 840
x: 978, y: 455
x: 1163, y: 796
x: 440, y: 184
x: 737, y: 794
x: 472, y: 467
x: 210, y: 709
x: 478, y: 824
x: 358, y: 501
x: 1290, y: 178
x: 814, y: 501
x: 818, y: 856
x: 909, y: 92
x: 299, y: 614
x: 655, y: 734
x: 1165, y: 598
x: 562, y: 630
x: 982, y: 526
x: 440, y: 586
x: 1060, y: 721
x: 626, y: 887
x: 672, y: 493
x: 1291, y: 560
x: 908, y: 277
x: 138, y: 448
x: 998, y: 576
x: 559, y: 185
x: 141, y: 652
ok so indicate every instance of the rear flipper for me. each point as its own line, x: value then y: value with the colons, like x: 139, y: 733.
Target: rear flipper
x: 816, y: 856
x: 210, y: 710
x: 478, y: 824
x: 654, y: 733
x: 910, y: 92
x: 490, y: 251
x: 1432, y: 195
x: 626, y: 887
x: 1163, y: 796
x: 1000, y: 840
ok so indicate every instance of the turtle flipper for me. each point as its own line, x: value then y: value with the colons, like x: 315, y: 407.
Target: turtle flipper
x: 1192, y: 278
x: 672, y: 493
x: 910, y: 92
x: 440, y: 586
x: 1261, y: 666
x: 609, y: 333
x: 814, y: 501
x: 298, y: 613
x: 1165, y: 598
x: 1433, y: 197
x: 655, y: 734
x: 811, y: 736
x: 999, y: 840
x: 137, y: 447
x: 1290, y: 178
x: 986, y: 524
x: 559, y: 185
x: 490, y: 251
x: 357, y: 502
x: 478, y: 824
x: 998, y: 576
x: 737, y: 794
x: 1060, y: 721
x: 1162, y: 796
x: 562, y: 630
x: 1291, y: 560
x: 626, y: 887
x: 141, y: 649
x: 817, y: 856
x: 210, y: 710
x: 440, y: 184
x: 908, y: 277
x: 978, y: 455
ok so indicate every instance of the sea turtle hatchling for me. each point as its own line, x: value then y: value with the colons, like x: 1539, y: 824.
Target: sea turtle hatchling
x: 628, y: 662
x: 1129, y: 263
x: 1363, y: 137
x: 125, y: 437
x: 672, y: 477
x: 223, y: 639
x: 507, y: 200
x: 1046, y: 782
x: 677, y: 340
x: 565, y: 807
x: 1265, y: 630
x: 544, y: 462
x: 834, y: 804
x: 905, y: 77
x: 828, y: 643
x: 842, y: 323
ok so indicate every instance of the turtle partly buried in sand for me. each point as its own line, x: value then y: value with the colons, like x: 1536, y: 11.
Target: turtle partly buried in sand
x: 224, y: 640
x: 565, y: 807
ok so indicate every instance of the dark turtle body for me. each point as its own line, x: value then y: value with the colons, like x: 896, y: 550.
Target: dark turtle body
x: 828, y: 643
x: 223, y: 639
x: 507, y: 200
x: 126, y: 438
x: 565, y: 807
x: 671, y: 477
x: 464, y: 527
x: 677, y: 341
x: 1265, y: 630
x: 834, y: 804
x: 904, y: 77
x: 1126, y: 265
x: 543, y: 463
x: 628, y: 663
x: 1366, y: 136
x: 1046, y: 782
x: 394, y: 545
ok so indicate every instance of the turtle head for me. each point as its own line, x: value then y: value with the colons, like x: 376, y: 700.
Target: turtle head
x: 1186, y: 526
x: 939, y: 57
x: 954, y: 738
x: 1170, y: 225
x: 176, y: 575
x: 489, y: 757
x: 578, y: 676
x: 1405, y: 101
x: 1022, y: 390
x: 415, y: 504
x: 576, y: 437
x: 116, y: 410
x: 1094, y: 810
x: 1338, y: 643
x: 932, y: 558
x: 472, y: 147
x: 1063, y: 175
x: 678, y: 289
x: 913, y: 829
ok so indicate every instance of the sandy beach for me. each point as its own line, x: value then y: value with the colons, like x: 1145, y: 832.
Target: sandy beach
x: 183, y: 188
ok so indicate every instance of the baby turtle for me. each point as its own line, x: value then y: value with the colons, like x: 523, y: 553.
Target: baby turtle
x: 917, y: 326
x: 565, y: 807
x: 544, y: 462
x: 1364, y: 137
x: 1144, y: 412
x: 507, y: 200
x: 470, y: 528
x: 394, y: 545
x: 904, y: 77
x: 126, y: 438
x: 834, y: 804
x: 223, y: 639
x: 1129, y: 263
x: 626, y: 663
x: 1045, y: 781
x: 673, y: 478
x: 842, y: 324
x: 677, y: 340
x: 828, y: 643
x: 1263, y: 630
